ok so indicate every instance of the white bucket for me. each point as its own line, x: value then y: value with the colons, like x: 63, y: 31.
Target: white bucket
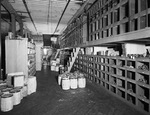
x: 25, y: 91
x: 53, y: 68
x: 0, y: 96
x: 16, y: 96
x: 73, y: 83
x: 32, y: 85
x: 65, y: 84
x: 57, y: 68
x: 59, y: 79
x: 21, y: 91
x: 81, y: 82
x: 6, y: 102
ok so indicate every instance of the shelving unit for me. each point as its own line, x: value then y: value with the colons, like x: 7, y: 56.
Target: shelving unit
x: 31, y: 59
x: 20, y: 56
x: 128, y: 79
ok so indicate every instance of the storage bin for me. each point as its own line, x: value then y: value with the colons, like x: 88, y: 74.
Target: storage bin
x: 65, y: 83
x: 73, y: 83
x: 16, y: 96
x: 6, y: 102
x: 81, y: 82
x: 31, y: 85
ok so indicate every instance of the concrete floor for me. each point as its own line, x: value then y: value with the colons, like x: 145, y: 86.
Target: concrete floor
x: 50, y: 99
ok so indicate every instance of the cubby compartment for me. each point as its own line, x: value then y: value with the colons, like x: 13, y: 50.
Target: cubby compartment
x: 113, y: 70
x: 121, y: 72
x: 99, y: 74
x: 144, y: 66
x: 107, y: 86
x: 143, y: 79
x: 131, y: 99
x: 107, y: 68
x: 131, y: 87
x: 112, y: 61
x: 102, y: 67
x: 102, y: 60
x: 143, y: 93
x: 131, y: 75
x: 107, y: 77
x: 113, y: 89
x: 121, y: 93
x: 121, y: 83
x: 103, y: 83
x: 130, y: 63
x: 106, y: 60
x: 121, y: 63
x: 143, y: 105
x: 113, y: 80
x: 103, y: 75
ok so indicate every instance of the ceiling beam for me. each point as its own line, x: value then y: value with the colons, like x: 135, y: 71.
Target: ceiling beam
x: 11, y: 10
x: 25, y: 4
x: 62, y: 15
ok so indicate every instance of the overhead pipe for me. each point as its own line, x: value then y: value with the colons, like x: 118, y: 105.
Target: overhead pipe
x: 25, y: 4
x: 62, y: 15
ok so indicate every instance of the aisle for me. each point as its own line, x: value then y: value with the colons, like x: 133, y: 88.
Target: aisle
x: 50, y: 99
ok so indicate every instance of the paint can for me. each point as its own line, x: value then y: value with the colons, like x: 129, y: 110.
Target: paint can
x: 73, y: 83
x: 81, y: 82
x: 65, y: 83
x: 16, y: 96
x: 6, y: 102
x: 21, y: 91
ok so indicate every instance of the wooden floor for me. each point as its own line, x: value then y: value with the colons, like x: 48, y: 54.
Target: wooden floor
x: 50, y: 99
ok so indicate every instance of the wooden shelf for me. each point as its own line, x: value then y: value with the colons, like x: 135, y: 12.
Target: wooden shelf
x: 126, y: 83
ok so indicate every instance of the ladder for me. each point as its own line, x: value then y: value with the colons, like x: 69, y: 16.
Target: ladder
x: 72, y: 58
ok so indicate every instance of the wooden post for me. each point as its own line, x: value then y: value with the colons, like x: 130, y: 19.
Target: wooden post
x: 13, y: 25
x: 0, y: 44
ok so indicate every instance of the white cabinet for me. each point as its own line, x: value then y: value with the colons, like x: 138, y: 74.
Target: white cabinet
x: 20, y: 56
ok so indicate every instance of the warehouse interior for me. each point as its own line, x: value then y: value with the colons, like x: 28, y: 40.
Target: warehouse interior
x: 75, y: 57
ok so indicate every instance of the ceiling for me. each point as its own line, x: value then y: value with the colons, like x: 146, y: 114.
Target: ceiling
x: 43, y: 16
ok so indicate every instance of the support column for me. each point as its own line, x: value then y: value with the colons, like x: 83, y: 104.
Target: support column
x: 13, y: 25
x: 21, y: 29
x: 0, y: 44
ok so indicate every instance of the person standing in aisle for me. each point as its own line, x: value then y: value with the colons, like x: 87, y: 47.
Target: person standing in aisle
x: 49, y: 55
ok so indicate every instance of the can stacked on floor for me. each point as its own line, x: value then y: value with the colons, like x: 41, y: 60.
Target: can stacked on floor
x: 11, y: 95
x: 72, y: 80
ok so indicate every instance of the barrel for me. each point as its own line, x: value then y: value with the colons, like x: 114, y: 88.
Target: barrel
x: 6, y: 102
x: 21, y: 91
x: 65, y: 83
x: 16, y: 96
x: 73, y: 83
x: 81, y: 82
